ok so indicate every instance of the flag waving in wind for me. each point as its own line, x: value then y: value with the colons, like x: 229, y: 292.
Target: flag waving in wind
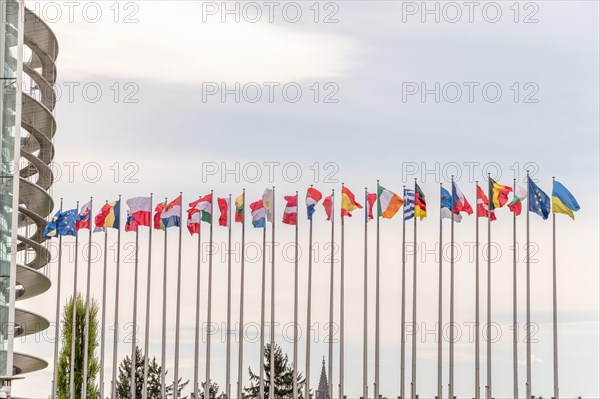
x: 499, y: 194
x: 483, y: 210
x: 158, y: 222
x: 388, y: 202
x: 171, y: 214
x: 446, y: 206
x: 268, y: 198
x: 538, y: 201
x: 328, y: 205
x: 51, y: 228
x: 224, y: 208
x: 370, y: 200
x: 409, y: 204
x: 239, y: 209
x: 519, y: 195
x: 563, y: 201
x: 108, y: 216
x: 420, y: 203
x: 290, y: 214
x: 84, y: 220
x: 204, y: 206
x: 349, y: 203
x: 313, y: 196
x: 460, y: 201
x: 258, y: 214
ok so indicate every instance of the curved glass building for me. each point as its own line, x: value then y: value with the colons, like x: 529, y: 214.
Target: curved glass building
x: 29, y: 51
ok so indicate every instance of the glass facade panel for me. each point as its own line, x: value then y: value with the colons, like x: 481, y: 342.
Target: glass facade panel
x: 8, y: 93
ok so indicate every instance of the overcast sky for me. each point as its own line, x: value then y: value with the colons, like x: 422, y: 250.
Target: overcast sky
x: 176, y: 96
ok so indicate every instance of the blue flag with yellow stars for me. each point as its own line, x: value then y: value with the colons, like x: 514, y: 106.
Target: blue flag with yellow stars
x: 66, y: 223
x: 538, y: 201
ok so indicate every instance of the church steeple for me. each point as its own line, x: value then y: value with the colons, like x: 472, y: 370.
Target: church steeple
x: 322, y: 391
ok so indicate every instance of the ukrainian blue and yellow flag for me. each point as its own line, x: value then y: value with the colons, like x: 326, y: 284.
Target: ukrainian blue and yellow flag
x: 563, y: 201
x: 538, y: 201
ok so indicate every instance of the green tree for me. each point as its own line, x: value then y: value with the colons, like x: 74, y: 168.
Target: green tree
x: 214, y: 391
x: 154, y: 373
x: 284, y: 377
x: 64, y: 360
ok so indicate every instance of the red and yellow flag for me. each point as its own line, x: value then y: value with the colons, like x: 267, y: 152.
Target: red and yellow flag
x: 349, y: 203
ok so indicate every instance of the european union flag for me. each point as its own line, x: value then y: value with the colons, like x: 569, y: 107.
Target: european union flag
x: 51, y: 228
x: 538, y: 201
x: 66, y: 223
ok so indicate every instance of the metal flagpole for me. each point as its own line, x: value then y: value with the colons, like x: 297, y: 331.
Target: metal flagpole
x: 209, y: 304
x: 147, y: 326
x: 440, y: 278
x: 451, y: 354
x: 163, y: 357
x: 133, y: 384
x: 528, y: 298
x: 295, y: 382
x: 197, y: 329
x: 341, y: 387
x: 262, y: 314
x: 489, y: 291
x: 272, y: 371
x: 86, y: 327
x: 414, y: 310
x: 102, y: 328
x: 241, y: 326
x: 74, y: 314
x: 178, y: 310
x: 515, y: 325
x: 308, y: 311
x: 57, y: 319
x: 365, y: 309
x: 554, y: 307
x: 403, y: 311
x: 477, y: 335
x: 228, y: 362
x: 330, y: 328
x: 116, y: 321
x: 376, y: 387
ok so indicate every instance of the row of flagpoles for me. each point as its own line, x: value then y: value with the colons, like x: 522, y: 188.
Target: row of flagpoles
x: 413, y: 203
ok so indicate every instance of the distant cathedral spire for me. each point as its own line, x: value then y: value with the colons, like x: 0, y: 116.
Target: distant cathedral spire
x: 322, y: 391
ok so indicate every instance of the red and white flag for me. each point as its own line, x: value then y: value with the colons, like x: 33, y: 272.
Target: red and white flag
x: 224, y: 208
x: 290, y: 214
x: 193, y: 221
x: 483, y: 205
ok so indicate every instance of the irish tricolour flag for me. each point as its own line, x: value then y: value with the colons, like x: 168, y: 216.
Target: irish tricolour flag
x: 388, y: 202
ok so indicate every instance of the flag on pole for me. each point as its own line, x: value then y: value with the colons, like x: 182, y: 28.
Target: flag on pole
x: 84, y: 219
x: 130, y: 223
x: 499, y: 194
x: 290, y: 214
x: 420, y: 203
x: 224, y: 209
x: 371, y: 199
x: 446, y: 206
x: 460, y: 201
x: 483, y: 205
x: 257, y: 210
x: 538, y: 201
x: 170, y: 214
x: 204, y: 205
x: 268, y: 200
x: 66, y: 224
x: 140, y: 209
x: 388, y: 202
x: 158, y: 222
x: 193, y: 221
x: 313, y: 196
x: 409, y: 204
x: 516, y: 204
x: 239, y: 209
x: 563, y: 201
x: 51, y: 227
x: 328, y: 205
x: 108, y: 216
x: 349, y: 203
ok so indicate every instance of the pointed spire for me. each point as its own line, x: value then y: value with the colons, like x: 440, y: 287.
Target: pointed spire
x: 322, y: 390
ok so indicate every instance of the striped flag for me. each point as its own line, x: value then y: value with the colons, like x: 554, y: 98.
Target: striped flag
x: 313, y: 196
x: 239, y: 209
x: 268, y: 199
x: 84, y: 219
x: 258, y: 214
x: 290, y: 214
x: 409, y: 204
x: 388, y: 202
x: 446, y: 205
